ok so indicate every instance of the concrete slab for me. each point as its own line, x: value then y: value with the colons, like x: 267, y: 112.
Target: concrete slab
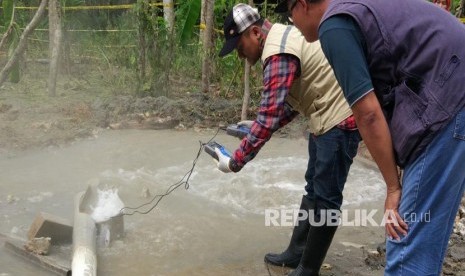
x: 47, y: 225
x: 58, y: 260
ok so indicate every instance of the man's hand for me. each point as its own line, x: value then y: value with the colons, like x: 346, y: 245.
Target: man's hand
x: 246, y: 123
x: 223, y: 161
x: 395, y: 225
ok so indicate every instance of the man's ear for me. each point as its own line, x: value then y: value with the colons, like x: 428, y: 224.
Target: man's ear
x: 256, y: 31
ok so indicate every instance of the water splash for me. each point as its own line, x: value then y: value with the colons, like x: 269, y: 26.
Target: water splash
x: 108, y: 205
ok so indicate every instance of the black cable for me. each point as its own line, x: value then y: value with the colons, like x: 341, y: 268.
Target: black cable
x: 170, y: 188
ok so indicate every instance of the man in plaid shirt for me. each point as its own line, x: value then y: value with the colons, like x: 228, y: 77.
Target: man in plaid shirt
x: 297, y: 79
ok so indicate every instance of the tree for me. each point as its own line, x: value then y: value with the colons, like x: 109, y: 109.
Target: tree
x: 19, y: 50
x: 207, y: 44
x: 10, y: 37
x: 168, y: 14
x: 246, y: 99
x: 55, y: 39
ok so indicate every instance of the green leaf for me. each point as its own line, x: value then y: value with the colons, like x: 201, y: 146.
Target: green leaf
x: 192, y: 16
x: 8, y: 9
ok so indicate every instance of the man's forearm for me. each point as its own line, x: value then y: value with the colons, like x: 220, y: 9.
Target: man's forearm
x: 376, y: 135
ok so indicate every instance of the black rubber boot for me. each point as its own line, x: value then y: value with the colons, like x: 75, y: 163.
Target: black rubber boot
x: 291, y: 256
x: 318, y: 242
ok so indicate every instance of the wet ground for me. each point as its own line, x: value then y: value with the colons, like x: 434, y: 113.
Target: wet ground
x: 216, y: 227
x: 51, y: 147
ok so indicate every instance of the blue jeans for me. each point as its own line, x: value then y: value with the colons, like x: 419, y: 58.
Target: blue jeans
x: 330, y: 157
x: 432, y: 188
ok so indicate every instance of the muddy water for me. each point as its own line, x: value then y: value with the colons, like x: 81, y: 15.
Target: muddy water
x: 216, y: 227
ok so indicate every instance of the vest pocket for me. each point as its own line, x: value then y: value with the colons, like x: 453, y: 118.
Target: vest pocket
x: 459, y: 131
x: 405, y: 126
x: 412, y: 118
x: 447, y: 70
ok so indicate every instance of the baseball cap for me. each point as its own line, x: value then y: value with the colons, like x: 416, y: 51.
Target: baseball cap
x: 281, y: 7
x: 238, y: 20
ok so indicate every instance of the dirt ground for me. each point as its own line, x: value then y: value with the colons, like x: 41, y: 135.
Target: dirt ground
x: 89, y: 102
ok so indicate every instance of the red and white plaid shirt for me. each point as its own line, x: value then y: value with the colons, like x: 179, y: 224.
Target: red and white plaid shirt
x: 279, y: 72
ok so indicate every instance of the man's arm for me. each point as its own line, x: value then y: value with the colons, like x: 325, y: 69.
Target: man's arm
x: 377, y: 137
x: 279, y: 73
x: 344, y: 47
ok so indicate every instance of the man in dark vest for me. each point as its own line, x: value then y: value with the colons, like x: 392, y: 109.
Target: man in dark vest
x: 401, y: 65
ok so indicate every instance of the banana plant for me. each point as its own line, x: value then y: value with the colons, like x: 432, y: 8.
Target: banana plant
x: 190, y: 11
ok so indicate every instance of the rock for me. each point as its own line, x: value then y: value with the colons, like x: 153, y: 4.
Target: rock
x: 339, y: 254
x: 382, y: 248
x: 5, y: 107
x: 326, y: 266
x: 11, y: 198
x: 180, y: 127
x: 145, y: 192
x: 457, y: 253
x: 160, y: 123
x: 38, y: 246
x: 376, y: 259
x: 356, y: 245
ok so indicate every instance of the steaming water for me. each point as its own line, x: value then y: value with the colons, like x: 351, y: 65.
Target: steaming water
x: 216, y: 227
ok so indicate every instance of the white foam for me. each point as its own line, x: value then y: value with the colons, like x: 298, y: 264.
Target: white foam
x: 108, y: 205
x: 264, y: 183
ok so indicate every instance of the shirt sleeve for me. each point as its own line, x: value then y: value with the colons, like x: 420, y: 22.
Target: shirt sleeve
x: 279, y: 73
x: 344, y: 46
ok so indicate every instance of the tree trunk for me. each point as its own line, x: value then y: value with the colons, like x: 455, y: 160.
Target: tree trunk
x: 207, y: 45
x: 202, y: 20
x: 168, y: 13
x: 6, y: 37
x: 170, y: 21
x: 23, y: 41
x: 246, y: 99
x: 55, y: 38
x: 142, y: 59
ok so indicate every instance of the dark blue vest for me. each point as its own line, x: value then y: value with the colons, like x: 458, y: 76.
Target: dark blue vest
x: 416, y: 59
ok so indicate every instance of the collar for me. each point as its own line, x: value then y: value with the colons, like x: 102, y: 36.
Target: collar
x: 266, y: 27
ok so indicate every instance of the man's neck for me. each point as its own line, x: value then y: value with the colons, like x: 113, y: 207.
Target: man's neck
x: 266, y: 27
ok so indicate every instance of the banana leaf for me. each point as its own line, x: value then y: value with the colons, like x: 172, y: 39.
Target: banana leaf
x: 8, y: 9
x: 191, y: 18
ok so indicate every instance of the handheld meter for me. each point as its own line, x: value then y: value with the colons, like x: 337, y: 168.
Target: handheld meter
x: 238, y: 131
x: 210, y: 149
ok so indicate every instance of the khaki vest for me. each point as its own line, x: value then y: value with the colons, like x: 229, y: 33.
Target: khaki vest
x: 316, y: 94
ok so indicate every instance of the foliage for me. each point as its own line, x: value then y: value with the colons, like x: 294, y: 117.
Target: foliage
x: 89, y: 39
x: 7, y: 6
x: 190, y: 11
x: 8, y: 16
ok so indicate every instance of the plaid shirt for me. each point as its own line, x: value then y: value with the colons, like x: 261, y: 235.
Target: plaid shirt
x: 279, y: 73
